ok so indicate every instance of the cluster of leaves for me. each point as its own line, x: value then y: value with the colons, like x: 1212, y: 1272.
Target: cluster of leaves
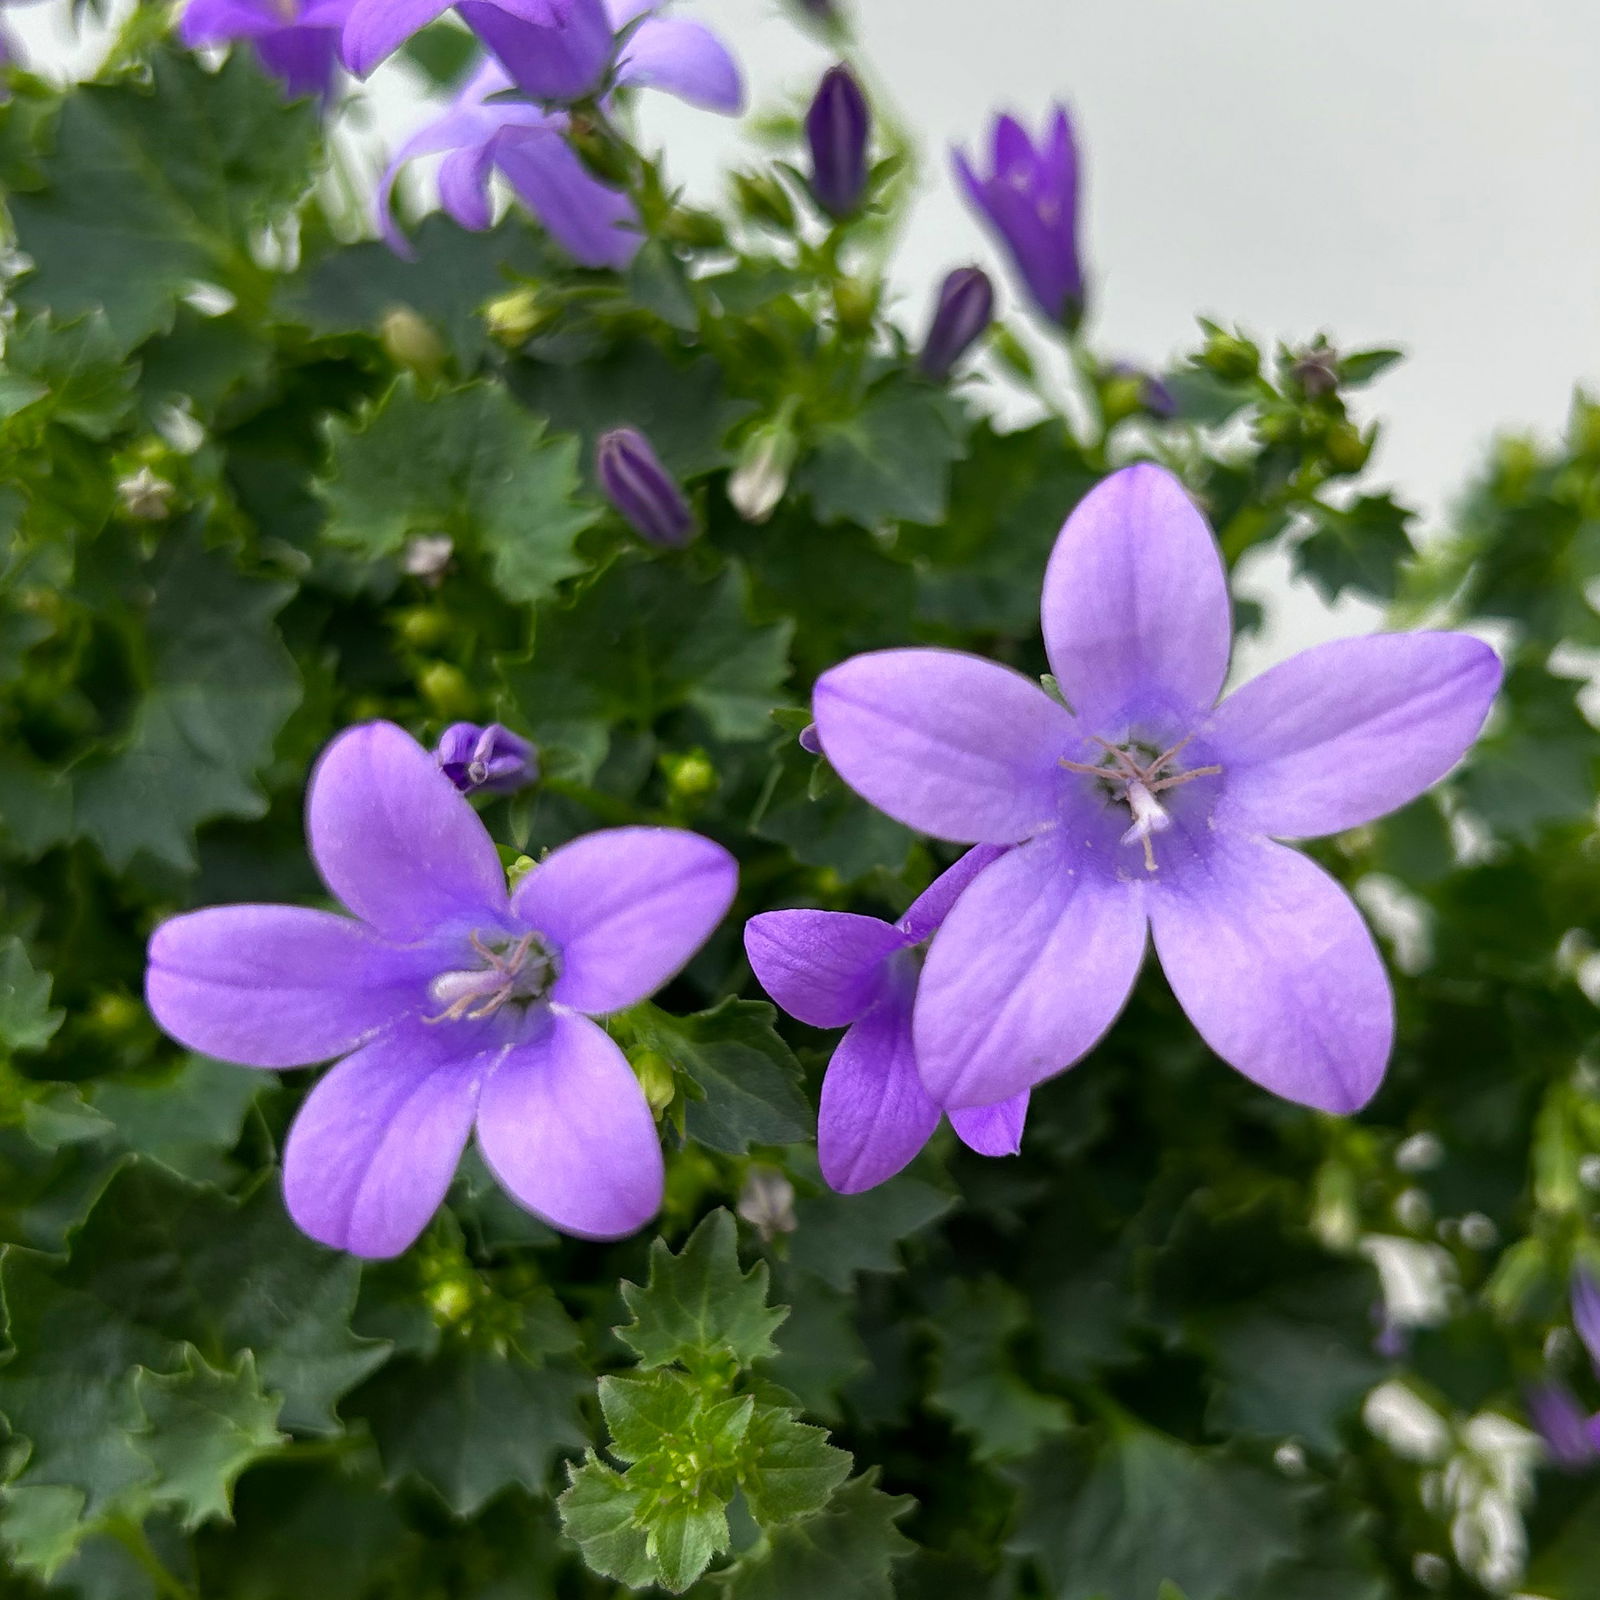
x: 1131, y: 1362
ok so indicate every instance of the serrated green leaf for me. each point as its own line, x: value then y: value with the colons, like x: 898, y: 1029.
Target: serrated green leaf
x: 790, y: 1470
x: 202, y: 1426
x: 473, y: 1422
x: 1361, y: 546
x: 747, y: 1077
x: 220, y: 687
x: 846, y: 1552
x: 187, y: 1119
x: 27, y: 1020
x: 81, y: 368
x: 699, y: 1308
x: 654, y: 1414
x: 151, y: 186
x: 466, y: 462
x: 837, y: 1236
x: 599, y: 1512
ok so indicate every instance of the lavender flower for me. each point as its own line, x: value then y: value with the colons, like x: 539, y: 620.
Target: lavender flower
x: 832, y: 969
x: 961, y: 315
x: 481, y: 132
x: 296, y: 40
x: 564, y: 51
x: 837, y: 127
x: 454, y: 1003
x: 489, y: 760
x: 1571, y: 1435
x: 1031, y: 204
x: 642, y: 489
x: 1145, y: 806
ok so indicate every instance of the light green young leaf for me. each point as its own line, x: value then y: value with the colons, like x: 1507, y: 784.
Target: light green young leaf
x: 790, y: 1468
x: 27, y: 1021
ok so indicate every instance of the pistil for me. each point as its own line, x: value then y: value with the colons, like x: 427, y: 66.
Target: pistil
x: 520, y: 971
x: 1136, y: 784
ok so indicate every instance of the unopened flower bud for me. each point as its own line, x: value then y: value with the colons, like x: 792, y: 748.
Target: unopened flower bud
x: 961, y: 315
x: 700, y: 230
x: 488, y: 760
x: 1316, y: 371
x: 810, y: 740
x: 1230, y: 356
x: 655, y: 1076
x: 689, y: 777
x: 145, y: 497
x: 1346, y: 448
x: 512, y: 319
x: 635, y: 482
x: 763, y: 199
x: 855, y: 303
x: 837, y: 128
x: 411, y: 343
x: 445, y: 688
x: 1126, y: 390
x: 757, y: 483
x: 766, y: 1202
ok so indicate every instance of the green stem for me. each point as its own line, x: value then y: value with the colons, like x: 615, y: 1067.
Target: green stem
x: 132, y: 1538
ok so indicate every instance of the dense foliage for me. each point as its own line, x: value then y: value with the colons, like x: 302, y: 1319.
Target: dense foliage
x: 1150, y: 1357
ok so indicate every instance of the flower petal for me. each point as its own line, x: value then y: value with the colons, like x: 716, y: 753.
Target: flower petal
x: 825, y: 968
x: 1586, y: 1313
x: 394, y: 841
x: 1347, y: 731
x: 375, y: 29
x: 220, y: 21
x: 875, y: 1114
x: 949, y: 744
x: 1029, y: 970
x: 1276, y: 969
x: 993, y: 1130
x: 627, y: 907
x: 464, y: 187
x: 932, y: 906
x: 277, y: 986
x: 376, y: 1143
x: 1135, y: 606
x: 304, y: 59
x: 686, y: 59
x: 555, y: 61
x: 597, y: 226
x: 566, y: 1129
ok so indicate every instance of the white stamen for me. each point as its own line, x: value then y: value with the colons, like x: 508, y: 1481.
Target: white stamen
x: 1149, y: 816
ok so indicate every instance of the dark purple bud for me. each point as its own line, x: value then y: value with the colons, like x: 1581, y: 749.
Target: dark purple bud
x: 490, y: 760
x: 961, y: 315
x: 809, y: 739
x: 642, y: 489
x: 837, y: 126
x: 1030, y: 201
x: 1567, y: 1430
x: 1153, y: 395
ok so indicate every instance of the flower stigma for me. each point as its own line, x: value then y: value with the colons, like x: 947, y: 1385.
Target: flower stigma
x: 522, y: 970
x: 1134, y: 774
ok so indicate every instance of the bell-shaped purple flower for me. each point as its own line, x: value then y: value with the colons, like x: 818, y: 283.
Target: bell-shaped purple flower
x: 641, y: 488
x: 455, y: 1004
x: 1149, y: 807
x: 1570, y: 1434
x: 961, y: 316
x: 1030, y: 201
x: 838, y: 126
x: 563, y: 51
x: 833, y: 969
x: 481, y: 132
x: 297, y: 40
x: 487, y: 760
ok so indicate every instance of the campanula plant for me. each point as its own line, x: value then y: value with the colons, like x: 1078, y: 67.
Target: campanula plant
x: 576, y: 768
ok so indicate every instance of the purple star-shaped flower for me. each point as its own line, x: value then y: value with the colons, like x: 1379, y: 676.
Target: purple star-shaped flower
x: 297, y: 40
x: 1147, y: 805
x: 1030, y: 201
x: 564, y: 51
x: 454, y: 1003
x: 833, y: 969
x: 482, y: 131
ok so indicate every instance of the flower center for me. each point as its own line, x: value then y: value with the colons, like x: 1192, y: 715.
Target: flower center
x: 522, y: 970
x: 1133, y: 774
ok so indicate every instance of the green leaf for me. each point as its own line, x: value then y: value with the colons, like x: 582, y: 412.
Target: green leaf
x: 220, y: 686
x: 27, y: 1021
x: 890, y: 462
x: 790, y: 1469
x: 466, y: 462
x: 148, y: 187
x: 1361, y: 546
x: 1122, y: 1514
x: 80, y: 366
x: 188, y: 1119
x: 666, y: 1413
x: 599, y: 1512
x: 201, y: 1428
x: 839, y: 1235
x: 620, y: 657
x: 845, y: 1553
x: 473, y: 1422
x: 699, y: 1309
x: 977, y: 1328
x: 747, y: 1077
